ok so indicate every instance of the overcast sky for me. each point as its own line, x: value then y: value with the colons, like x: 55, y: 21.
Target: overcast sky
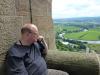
x: 75, y: 8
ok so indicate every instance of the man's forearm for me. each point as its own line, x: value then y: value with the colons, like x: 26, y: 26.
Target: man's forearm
x: 45, y: 47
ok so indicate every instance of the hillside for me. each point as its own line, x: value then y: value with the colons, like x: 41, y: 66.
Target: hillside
x: 79, y: 19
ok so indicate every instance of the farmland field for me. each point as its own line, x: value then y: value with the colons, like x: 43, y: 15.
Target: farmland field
x: 87, y: 35
x: 66, y: 28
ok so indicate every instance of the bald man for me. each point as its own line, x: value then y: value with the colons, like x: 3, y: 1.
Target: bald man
x: 26, y: 56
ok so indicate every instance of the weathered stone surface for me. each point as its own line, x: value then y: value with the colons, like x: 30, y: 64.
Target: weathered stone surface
x: 9, y: 33
x: 44, y: 23
x: 41, y: 7
x: 49, y: 37
x: 41, y: 16
x: 73, y: 62
x: 56, y: 72
x: 23, y: 9
x: 7, y: 7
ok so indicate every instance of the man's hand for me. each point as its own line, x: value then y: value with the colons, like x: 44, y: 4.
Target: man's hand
x: 40, y: 38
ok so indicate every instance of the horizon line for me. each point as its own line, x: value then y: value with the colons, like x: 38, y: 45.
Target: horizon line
x: 76, y: 17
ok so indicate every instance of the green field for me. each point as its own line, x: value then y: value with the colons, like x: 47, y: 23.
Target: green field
x: 88, y: 35
x: 71, y: 28
x: 67, y: 28
x: 91, y: 34
x: 96, y: 29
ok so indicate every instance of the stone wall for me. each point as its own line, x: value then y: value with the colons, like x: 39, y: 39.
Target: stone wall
x: 9, y: 32
x: 7, y: 8
x: 74, y: 63
x: 23, y: 9
x: 42, y: 17
x: 9, y: 25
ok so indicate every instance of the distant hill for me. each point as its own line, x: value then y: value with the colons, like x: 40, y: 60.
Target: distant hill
x: 81, y: 19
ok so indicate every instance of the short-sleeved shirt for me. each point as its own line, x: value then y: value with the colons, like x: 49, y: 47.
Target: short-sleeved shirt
x: 26, y: 60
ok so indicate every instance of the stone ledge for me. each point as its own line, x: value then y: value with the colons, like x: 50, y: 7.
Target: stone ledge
x: 56, y: 72
x: 73, y: 62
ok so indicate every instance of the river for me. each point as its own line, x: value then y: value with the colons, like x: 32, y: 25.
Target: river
x: 91, y: 42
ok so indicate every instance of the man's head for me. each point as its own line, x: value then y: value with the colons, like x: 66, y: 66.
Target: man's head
x: 29, y: 32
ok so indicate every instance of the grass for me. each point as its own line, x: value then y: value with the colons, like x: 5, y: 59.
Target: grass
x: 71, y: 28
x: 88, y: 35
x: 96, y: 29
x: 59, y: 28
x: 95, y: 47
x: 92, y: 34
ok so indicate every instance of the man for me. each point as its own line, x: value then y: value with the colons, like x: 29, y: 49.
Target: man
x: 26, y: 56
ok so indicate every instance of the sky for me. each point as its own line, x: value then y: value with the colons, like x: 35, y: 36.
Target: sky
x: 75, y: 8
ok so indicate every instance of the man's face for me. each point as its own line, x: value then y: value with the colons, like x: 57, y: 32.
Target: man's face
x: 33, y: 36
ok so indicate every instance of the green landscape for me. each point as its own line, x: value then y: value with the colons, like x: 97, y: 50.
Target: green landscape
x: 87, y: 35
x: 81, y: 34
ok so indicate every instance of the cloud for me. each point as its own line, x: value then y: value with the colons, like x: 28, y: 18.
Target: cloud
x: 75, y: 8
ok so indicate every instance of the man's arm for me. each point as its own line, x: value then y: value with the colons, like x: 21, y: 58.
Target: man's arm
x: 15, y: 66
x: 43, y: 46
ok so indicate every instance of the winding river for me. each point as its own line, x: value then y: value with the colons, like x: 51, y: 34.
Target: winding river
x: 91, y: 42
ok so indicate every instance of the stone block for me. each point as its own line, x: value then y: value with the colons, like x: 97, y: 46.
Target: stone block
x: 41, y: 7
x: 43, y: 22
x: 56, y: 72
x: 23, y: 9
x: 7, y: 7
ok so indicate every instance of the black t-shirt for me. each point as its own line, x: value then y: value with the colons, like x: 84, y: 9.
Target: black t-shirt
x: 26, y: 60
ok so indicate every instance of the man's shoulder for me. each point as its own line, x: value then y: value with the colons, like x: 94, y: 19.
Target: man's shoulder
x: 15, y: 51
